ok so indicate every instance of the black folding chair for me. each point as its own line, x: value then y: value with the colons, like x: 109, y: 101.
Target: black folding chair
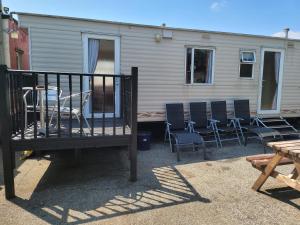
x: 177, y: 131
x: 248, y: 125
x: 199, y: 122
x: 222, y: 125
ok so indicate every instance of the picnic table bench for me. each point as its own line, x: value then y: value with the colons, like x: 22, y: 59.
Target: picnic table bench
x: 286, y: 152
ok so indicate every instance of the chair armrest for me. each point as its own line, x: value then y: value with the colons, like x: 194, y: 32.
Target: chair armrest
x: 191, y: 125
x: 214, y: 121
x: 253, y: 120
x: 167, y: 123
x: 236, y: 118
x: 74, y: 95
x: 192, y: 122
x: 69, y: 96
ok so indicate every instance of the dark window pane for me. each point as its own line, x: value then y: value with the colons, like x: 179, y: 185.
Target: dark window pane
x: 202, y: 65
x: 188, y: 65
x: 246, y: 70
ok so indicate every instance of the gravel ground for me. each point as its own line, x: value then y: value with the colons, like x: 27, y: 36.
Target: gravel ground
x: 54, y: 190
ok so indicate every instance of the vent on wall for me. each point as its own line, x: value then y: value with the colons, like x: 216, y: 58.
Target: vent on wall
x: 167, y: 34
x: 205, y: 36
x: 290, y: 44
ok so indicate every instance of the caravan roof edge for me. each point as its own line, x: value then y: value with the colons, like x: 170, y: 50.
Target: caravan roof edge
x: 153, y: 26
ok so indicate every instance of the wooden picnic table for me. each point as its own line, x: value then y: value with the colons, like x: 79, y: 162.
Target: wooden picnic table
x: 286, y: 152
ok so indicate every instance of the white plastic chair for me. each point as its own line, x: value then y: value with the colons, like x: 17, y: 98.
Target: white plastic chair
x: 65, y: 110
x: 52, y: 100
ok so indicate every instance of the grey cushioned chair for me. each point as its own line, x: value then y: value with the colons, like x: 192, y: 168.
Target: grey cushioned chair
x: 177, y: 131
x: 249, y: 126
x: 223, y: 126
x: 199, y: 122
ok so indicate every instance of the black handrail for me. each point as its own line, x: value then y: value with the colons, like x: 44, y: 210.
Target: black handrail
x: 72, y: 104
x: 15, y: 134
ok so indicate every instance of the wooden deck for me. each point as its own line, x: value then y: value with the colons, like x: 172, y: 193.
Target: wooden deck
x: 69, y: 133
x: 108, y: 129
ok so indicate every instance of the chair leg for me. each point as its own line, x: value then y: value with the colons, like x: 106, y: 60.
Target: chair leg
x: 217, y: 135
x: 87, y: 123
x: 166, y: 134
x: 25, y: 118
x: 216, y: 139
x: 264, y: 144
x: 204, y: 150
x: 246, y: 139
x: 177, y: 152
x: 237, y: 133
x: 219, y: 138
x: 77, y: 117
x: 170, y: 141
x: 242, y: 134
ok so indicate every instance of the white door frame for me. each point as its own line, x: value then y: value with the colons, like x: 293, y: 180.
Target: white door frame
x: 277, y: 111
x: 116, y: 39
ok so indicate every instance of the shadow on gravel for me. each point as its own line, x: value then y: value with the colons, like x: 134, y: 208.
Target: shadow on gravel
x: 99, y: 189
x: 284, y: 194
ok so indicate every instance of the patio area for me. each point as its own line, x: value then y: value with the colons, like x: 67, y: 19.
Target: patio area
x: 54, y: 190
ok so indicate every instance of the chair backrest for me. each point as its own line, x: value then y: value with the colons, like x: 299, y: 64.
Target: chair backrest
x: 28, y: 97
x: 242, y: 110
x: 175, y: 116
x: 52, y: 94
x: 219, y: 111
x: 198, y: 114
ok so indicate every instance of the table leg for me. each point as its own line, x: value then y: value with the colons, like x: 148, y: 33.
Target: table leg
x: 294, y: 174
x: 297, y: 168
x: 266, y: 173
x: 42, y: 110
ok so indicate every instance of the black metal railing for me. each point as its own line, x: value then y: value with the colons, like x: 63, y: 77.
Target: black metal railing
x: 59, y: 104
x: 56, y: 111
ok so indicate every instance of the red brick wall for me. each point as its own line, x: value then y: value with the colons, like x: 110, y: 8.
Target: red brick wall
x: 22, y: 43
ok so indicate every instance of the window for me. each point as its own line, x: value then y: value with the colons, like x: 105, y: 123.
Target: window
x: 199, y: 65
x: 19, y: 55
x: 247, y: 60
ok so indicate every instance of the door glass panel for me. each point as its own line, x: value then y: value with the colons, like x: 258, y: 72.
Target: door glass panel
x: 105, y: 65
x: 270, y: 80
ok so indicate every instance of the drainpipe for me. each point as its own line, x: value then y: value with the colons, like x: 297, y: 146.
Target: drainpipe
x: 286, y: 38
x: 2, y: 53
x: 286, y: 33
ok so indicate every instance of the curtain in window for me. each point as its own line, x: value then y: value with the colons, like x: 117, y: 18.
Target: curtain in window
x: 93, y: 51
x: 208, y: 78
x: 277, y: 57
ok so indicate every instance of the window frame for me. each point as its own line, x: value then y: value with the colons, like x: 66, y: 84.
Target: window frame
x: 19, y: 58
x: 247, y: 62
x: 213, y: 49
x: 247, y: 51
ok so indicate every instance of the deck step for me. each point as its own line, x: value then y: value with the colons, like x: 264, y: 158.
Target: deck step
x: 280, y: 126
x: 289, y: 133
x: 270, y: 120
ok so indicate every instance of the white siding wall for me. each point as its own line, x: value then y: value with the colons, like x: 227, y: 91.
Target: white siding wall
x: 56, y: 45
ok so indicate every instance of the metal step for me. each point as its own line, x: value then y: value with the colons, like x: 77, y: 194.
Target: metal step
x: 272, y: 120
x: 289, y: 133
x: 280, y: 126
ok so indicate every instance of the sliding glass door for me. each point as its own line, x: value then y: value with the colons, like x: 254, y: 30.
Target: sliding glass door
x: 271, y: 79
x: 102, y: 56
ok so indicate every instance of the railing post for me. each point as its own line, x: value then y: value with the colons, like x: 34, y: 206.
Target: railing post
x: 134, y: 108
x: 5, y: 134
